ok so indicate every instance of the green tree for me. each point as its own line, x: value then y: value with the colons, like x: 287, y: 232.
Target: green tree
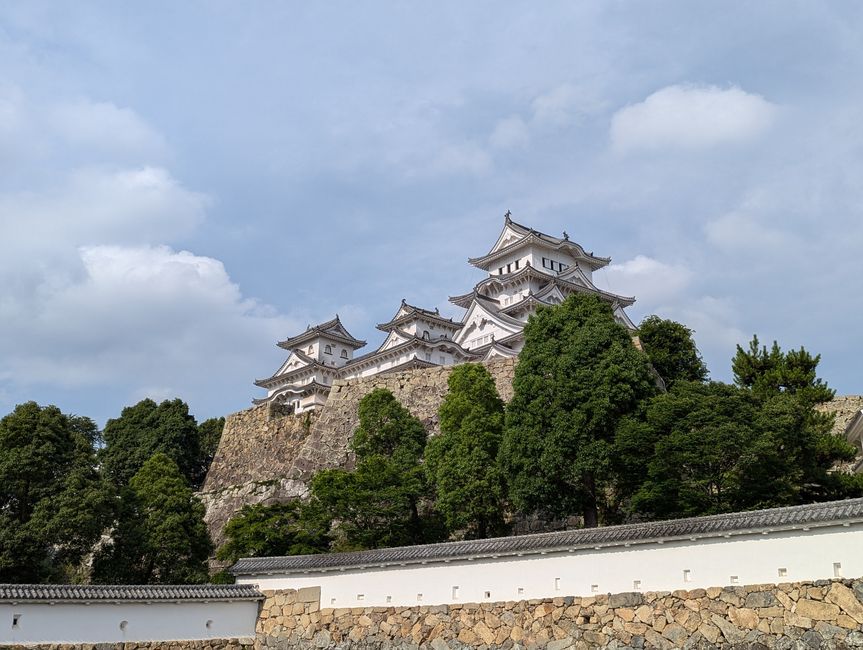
x: 671, y: 350
x: 384, y: 501
x: 768, y: 373
x: 289, y: 528
x: 719, y: 448
x: 160, y: 536
x: 461, y: 462
x: 52, y: 504
x: 148, y: 428
x: 577, y: 376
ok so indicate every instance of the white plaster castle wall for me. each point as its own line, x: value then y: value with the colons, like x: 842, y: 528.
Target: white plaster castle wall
x: 754, y: 559
x: 99, y: 622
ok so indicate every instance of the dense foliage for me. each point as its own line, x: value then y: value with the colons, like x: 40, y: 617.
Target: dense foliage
x: 671, y: 350
x: 148, y: 428
x: 160, y: 536
x: 277, y: 529
x: 53, y: 505
x: 385, y: 500
x: 577, y: 376
x: 461, y: 462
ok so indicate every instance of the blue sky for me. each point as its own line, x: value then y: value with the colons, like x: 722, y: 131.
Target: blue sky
x: 183, y: 184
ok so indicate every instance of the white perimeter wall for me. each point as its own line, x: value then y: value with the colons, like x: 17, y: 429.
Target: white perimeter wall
x: 100, y: 622
x: 754, y: 559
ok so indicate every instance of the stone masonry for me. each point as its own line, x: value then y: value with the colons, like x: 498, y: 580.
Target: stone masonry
x: 815, y: 615
x: 267, y: 457
x: 210, y: 644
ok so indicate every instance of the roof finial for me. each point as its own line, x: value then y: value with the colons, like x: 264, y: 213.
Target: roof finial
x: 508, y: 217
x: 566, y: 235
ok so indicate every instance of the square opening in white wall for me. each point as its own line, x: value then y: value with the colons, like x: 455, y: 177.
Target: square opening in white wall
x: 734, y: 580
x: 783, y: 572
x: 687, y: 575
x: 389, y: 599
x: 594, y: 589
x: 636, y: 585
x: 521, y: 591
x: 419, y: 597
x: 837, y: 569
x: 487, y: 595
x: 455, y: 593
x: 361, y: 596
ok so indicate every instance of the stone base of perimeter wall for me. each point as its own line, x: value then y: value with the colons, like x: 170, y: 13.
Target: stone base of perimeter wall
x: 211, y: 644
x: 817, y: 615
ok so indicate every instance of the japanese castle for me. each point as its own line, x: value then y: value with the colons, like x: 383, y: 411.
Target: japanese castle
x: 525, y: 268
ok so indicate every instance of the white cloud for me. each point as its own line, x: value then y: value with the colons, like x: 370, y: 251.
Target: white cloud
x: 740, y: 232
x: 104, y: 127
x: 652, y: 282
x: 70, y: 131
x: 95, y: 205
x: 564, y: 104
x: 509, y: 133
x: 93, y: 294
x: 146, y: 313
x: 690, y: 117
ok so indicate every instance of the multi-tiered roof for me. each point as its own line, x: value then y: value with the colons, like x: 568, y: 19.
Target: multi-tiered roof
x: 526, y: 270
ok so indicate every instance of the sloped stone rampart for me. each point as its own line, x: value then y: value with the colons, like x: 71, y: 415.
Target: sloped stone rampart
x: 267, y: 457
x: 844, y: 407
x: 814, y: 615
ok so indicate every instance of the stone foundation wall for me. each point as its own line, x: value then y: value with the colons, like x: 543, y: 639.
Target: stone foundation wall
x: 817, y: 615
x: 844, y: 407
x: 256, y: 462
x: 210, y: 644
x: 266, y: 457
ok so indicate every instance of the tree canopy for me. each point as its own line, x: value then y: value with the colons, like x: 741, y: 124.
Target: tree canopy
x: 290, y: 528
x: 768, y: 373
x: 461, y: 462
x: 148, y: 428
x: 577, y: 376
x: 384, y: 501
x: 671, y: 350
x: 53, y: 505
x: 160, y: 536
x: 710, y: 448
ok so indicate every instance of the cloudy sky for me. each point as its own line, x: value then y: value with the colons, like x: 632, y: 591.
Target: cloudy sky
x: 183, y: 184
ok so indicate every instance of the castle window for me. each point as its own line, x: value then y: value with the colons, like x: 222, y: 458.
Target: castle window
x: 328, y: 349
x: 428, y: 356
x: 500, y: 271
x: 516, y: 265
x: 344, y: 354
x: 442, y: 360
x: 508, y: 268
x: 426, y: 335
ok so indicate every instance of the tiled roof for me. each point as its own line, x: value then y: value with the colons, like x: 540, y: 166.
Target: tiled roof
x: 56, y: 593
x: 332, y: 329
x: 819, y: 514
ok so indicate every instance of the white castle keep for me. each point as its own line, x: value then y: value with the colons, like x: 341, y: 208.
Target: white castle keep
x: 526, y: 269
